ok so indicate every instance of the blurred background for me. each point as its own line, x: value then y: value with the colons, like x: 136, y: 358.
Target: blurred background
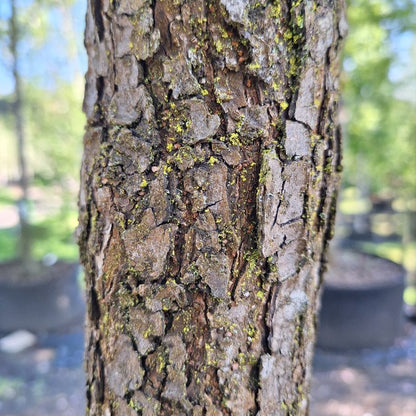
x: 41, y: 123
x: 42, y: 66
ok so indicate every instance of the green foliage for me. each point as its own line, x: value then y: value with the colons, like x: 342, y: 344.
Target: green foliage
x: 55, y: 235
x: 380, y: 122
x: 6, y: 197
x: 8, y: 242
x: 54, y: 126
x: 52, y: 229
x: 52, y: 235
x: 53, y: 123
x: 410, y: 296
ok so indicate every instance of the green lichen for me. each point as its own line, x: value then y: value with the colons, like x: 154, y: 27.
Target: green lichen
x: 212, y: 160
x: 125, y: 298
x: 276, y: 10
x: 253, y: 66
x: 284, y: 105
x: 210, y: 353
x: 251, y: 331
x: 219, y: 47
x: 134, y: 406
x: 260, y: 295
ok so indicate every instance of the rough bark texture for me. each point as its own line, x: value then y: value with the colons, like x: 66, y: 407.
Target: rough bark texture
x: 211, y: 163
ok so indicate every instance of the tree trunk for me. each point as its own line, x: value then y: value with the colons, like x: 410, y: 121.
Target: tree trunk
x: 24, y: 247
x: 209, y: 179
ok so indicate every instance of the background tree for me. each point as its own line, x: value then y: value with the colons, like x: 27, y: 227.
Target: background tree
x: 379, y: 140
x: 379, y: 111
x: 209, y: 180
x: 24, y: 246
x: 45, y: 97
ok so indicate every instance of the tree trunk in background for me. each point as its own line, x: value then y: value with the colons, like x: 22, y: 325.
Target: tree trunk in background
x: 24, y: 248
x: 209, y: 178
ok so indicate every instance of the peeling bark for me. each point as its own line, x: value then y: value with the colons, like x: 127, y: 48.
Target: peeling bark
x: 209, y: 180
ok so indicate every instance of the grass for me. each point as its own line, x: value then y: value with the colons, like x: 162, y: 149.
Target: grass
x: 6, y: 197
x: 55, y: 235
x: 51, y: 233
x: 8, y: 241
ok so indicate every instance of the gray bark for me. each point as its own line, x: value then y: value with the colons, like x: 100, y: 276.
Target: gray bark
x: 209, y: 179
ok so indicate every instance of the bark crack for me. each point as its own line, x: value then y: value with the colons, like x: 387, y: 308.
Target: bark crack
x: 96, y: 6
x: 280, y: 197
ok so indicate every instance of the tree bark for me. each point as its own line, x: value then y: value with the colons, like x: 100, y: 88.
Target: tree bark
x: 209, y: 180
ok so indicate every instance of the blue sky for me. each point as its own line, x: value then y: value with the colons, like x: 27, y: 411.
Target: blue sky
x: 50, y: 62
x: 44, y: 65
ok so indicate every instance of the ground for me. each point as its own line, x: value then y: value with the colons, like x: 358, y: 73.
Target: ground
x: 379, y: 382
x: 48, y: 380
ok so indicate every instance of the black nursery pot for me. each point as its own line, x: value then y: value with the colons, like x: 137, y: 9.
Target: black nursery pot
x: 369, y: 315
x: 48, y: 303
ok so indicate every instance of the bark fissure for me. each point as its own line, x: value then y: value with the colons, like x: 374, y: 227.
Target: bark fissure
x: 96, y: 6
x: 280, y: 196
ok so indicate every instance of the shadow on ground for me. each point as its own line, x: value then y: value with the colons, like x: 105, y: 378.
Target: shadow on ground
x: 372, y: 382
x: 48, y: 380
